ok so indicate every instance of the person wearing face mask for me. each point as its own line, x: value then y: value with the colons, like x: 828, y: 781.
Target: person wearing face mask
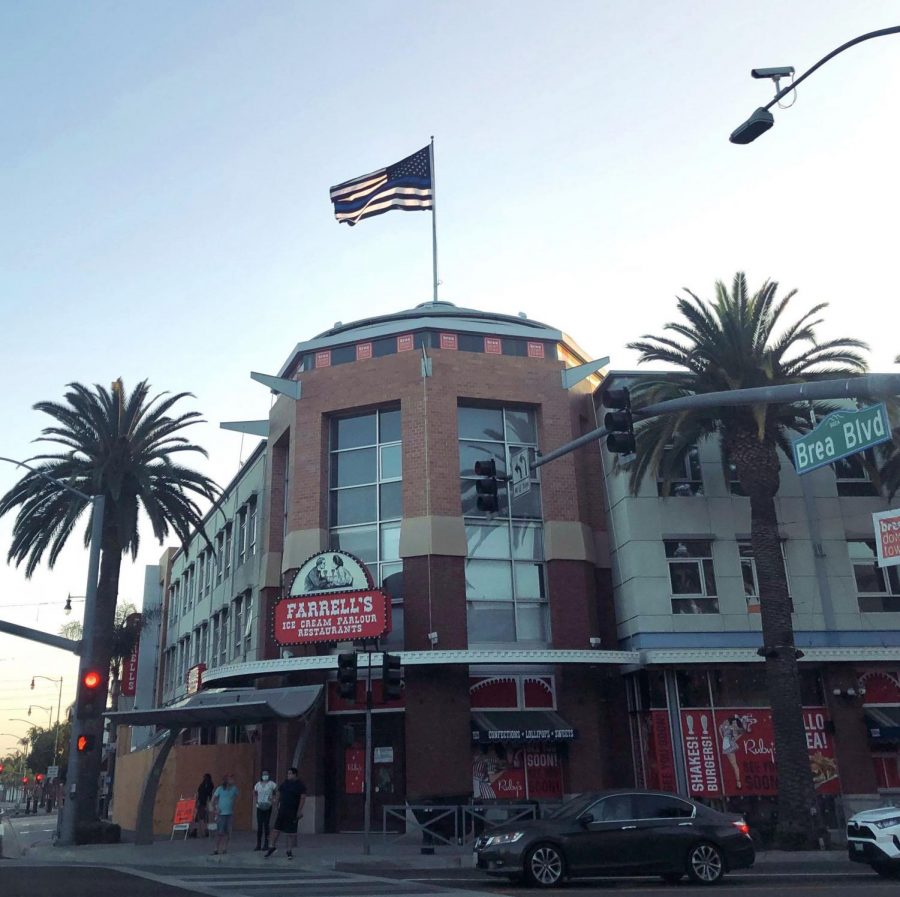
x: 264, y: 793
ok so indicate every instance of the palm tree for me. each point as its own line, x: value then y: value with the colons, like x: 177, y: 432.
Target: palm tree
x: 124, y: 447
x: 725, y: 344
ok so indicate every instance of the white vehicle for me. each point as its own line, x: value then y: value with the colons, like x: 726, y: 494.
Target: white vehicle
x: 873, y: 837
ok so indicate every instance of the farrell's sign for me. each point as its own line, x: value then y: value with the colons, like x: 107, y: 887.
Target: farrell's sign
x: 331, y: 599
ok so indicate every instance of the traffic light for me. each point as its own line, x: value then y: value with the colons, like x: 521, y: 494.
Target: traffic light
x: 347, y: 676
x: 39, y: 778
x: 88, y: 704
x: 390, y: 677
x: 619, y: 423
x: 488, y: 500
x: 86, y: 743
x: 24, y: 780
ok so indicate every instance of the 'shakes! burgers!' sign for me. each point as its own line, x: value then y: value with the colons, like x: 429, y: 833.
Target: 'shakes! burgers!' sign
x: 331, y: 599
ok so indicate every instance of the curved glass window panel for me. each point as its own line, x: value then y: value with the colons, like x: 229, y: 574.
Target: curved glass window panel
x: 487, y: 541
x: 352, y: 432
x: 389, y: 426
x: 489, y: 580
x: 360, y: 541
x: 480, y: 423
x: 391, y: 462
x: 394, y: 641
x: 531, y: 622
x: 391, y: 500
x: 470, y: 452
x: 528, y: 542
x: 520, y: 427
x: 392, y: 580
x: 529, y: 580
x: 529, y: 504
x: 355, y: 505
x: 469, y: 499
x: 491, y: 622
x: 390, y: 542
x: 353, y: 468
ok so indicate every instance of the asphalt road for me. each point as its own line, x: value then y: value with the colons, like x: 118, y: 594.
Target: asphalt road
x: 69, y: 881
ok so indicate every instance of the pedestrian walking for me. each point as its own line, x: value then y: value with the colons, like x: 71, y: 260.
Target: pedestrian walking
x: 264, y: 792
x: 201, y: 813
x: 223, y: 801
x: 291, y: 797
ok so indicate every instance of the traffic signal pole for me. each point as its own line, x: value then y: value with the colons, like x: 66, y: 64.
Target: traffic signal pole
x: 367, y: 825
x: 73, y: 807
x: 870, y: 386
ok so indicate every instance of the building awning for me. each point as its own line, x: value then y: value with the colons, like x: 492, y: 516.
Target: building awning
x: 222, y: 706
x: 519, y: 726
x: 883, y: 723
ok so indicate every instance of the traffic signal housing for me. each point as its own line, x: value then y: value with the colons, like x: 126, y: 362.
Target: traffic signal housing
x: 39, y: 778
x: 91, y: 696
x: 619, y: 422
x: 347, y: 673
x: 391, y: 677
x: 486, y: 487
x: 86, y: 743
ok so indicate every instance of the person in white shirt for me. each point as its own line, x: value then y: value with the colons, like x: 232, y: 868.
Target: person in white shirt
x: 264, y: 793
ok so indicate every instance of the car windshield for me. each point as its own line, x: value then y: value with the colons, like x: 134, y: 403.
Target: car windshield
x: 574, y: 807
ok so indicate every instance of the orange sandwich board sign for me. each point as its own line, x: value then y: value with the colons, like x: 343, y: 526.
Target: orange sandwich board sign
x: 184, y: 816
x: 887, y: 537
x: 332, y: 598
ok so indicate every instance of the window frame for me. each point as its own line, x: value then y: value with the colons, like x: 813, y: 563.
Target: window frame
x: 705, y: 567
x: 889, y: 577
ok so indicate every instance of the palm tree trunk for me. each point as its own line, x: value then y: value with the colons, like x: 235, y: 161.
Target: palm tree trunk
x: 798, y: 823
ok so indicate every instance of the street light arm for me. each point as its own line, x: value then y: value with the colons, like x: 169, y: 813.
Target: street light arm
x: 856, y: 40
x: 47, y: 476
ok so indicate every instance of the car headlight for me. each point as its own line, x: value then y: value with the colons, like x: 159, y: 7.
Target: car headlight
x: 505, y: 838
x: 888, y: 823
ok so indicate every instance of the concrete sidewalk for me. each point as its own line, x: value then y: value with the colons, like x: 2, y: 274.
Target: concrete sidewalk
x: 321, y: 851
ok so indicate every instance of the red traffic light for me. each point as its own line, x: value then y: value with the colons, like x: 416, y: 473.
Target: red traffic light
x: 24, y: 780
x: 91, y: 679
x: 39, y: 778
x: 2, y: 767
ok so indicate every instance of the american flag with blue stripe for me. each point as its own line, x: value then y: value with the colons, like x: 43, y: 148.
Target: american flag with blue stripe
x: 406, y: 185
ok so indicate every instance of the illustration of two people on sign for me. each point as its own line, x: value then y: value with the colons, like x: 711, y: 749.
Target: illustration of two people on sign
x: 488, y: 767
x: 324, y: 576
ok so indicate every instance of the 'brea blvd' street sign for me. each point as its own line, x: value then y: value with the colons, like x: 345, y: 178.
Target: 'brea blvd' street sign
x: 331, y: 599
x: 840, y: 434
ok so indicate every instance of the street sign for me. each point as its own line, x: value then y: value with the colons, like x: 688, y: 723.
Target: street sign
x: 521, y: 471
x: 887, y: 537
x: 52, y: 773
x: 840, y: 434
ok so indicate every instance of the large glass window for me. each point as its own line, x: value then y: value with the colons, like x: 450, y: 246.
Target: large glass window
x: 692, y: 577
x: 681, y: 476
x: 366, y: 495
x: 878, y: 588
x: 853, y: 477
x: 505, y: 577
x: 748, y: 574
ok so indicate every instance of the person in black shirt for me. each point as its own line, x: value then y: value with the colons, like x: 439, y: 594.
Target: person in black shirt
x: 290, y: 800
x: 201, y: 816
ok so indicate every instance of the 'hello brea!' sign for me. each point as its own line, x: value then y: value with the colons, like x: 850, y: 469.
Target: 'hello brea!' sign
x: 331, y: 599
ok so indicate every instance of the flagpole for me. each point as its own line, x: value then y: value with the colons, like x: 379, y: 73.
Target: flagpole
x: 433, y: 221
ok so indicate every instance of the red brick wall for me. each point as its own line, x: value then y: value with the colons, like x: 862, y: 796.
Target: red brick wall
x: 851, y: 740
x: 445, y: 613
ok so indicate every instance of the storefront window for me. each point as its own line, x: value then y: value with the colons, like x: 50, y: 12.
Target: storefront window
x: 505, y: 575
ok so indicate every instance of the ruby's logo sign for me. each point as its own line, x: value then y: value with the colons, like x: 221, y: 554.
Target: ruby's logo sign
x: 331, y: 598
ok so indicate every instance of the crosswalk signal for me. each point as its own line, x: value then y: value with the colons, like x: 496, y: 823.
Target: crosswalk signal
x: 347, y: 676
x: 619, y: 423
x: 390, y: 677
x: 90, y: 689
x: 486, y: 487
x: 86, y: 743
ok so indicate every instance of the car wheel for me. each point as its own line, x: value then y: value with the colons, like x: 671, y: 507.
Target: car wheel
x: 887, y: 870
x: 705, y: 864
x: 672, y: 878
x: 544, y: 866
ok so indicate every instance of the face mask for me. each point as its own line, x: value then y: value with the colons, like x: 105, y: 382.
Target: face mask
x: 265, y: 778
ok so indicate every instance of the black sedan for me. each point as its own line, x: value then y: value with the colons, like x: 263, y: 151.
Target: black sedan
x: 619, y: 833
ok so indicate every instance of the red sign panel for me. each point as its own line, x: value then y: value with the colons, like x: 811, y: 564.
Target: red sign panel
x: 323, y: 359
x: 493, y: 346
x: 887, y: 537
x: 184, y: 811
x: 354, y: 770
x: 732, y: 752
x: 405, y: 342
x: 347, y: 616
x: 535, y: 350
x: 130, y: 663
x: 363, y: 351
x: 195, y: 678
x: 532, y: 773
x: 449, y: 341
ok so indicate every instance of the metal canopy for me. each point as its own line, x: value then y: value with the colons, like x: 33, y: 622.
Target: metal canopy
x: 221, y: 706
x: 517, y: 726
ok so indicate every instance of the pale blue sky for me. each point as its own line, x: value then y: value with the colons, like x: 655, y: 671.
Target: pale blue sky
x: 164, y: 175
